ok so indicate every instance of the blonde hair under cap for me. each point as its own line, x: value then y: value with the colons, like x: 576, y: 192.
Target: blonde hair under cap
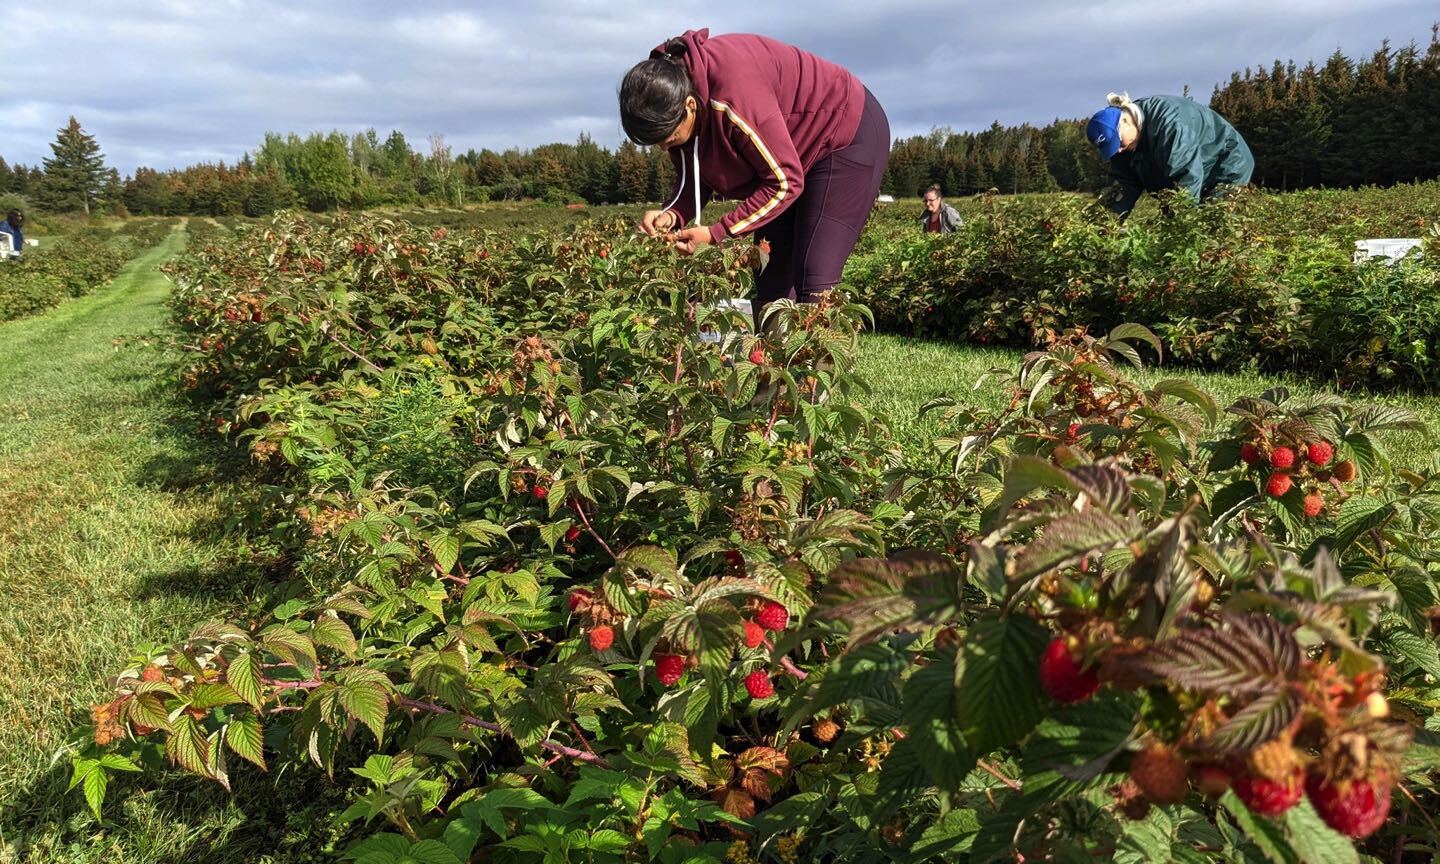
x: 1122, y: 101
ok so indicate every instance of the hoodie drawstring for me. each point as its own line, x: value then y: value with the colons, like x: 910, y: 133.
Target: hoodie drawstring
x: 695, y: 160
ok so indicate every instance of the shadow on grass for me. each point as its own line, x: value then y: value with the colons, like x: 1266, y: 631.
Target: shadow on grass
x: 169, y: 817
x: 163, y: 815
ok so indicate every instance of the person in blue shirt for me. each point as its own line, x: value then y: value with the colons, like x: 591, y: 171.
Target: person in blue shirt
x: 14, y: 221
x: 1167, y: 142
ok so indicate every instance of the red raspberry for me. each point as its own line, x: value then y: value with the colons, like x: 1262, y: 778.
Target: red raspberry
x: 1161, y: 774
x: 758, y: 684
x: 1212, y: 780
x: 1345, y: 471
x: 602, y: 637
x: 754, y: 634
x: 757, y: 356
x: 1269, y: 797
x: 1249, y: 454
x: 1313, y: 504
x: 540, y: 492
x: 1277, y: 485
x: 572, y: 533
x: 152, y: 673
x: 1072, y: 431
x: 773, y: 616
x: 578, y: 597
x: 734, y: 558
x: 669, y: 668
x: 1062, y: 677
x: 1320, y: 453
x: 1282, y: 457
x: 1355, y: 808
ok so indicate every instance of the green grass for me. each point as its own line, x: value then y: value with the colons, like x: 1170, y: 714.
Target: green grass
x: 905, y: 373
x: 112, y: 534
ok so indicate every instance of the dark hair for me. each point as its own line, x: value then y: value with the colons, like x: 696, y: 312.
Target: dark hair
x: 934, y: 187
x: 652, y: 96
x: 10, y: 217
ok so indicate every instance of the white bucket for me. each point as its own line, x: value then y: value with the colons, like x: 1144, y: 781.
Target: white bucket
x: 739, y: 304
x: 1391, y: 248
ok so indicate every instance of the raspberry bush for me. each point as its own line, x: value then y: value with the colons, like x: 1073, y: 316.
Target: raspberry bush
x: 582, y: 579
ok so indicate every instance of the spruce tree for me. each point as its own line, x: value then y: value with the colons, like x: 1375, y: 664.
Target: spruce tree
x: 76, y: 173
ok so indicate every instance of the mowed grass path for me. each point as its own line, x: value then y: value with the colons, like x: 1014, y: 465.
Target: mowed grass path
x: 112, y: 534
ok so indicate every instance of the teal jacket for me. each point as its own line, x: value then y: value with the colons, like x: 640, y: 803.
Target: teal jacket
x: 1183, y: 145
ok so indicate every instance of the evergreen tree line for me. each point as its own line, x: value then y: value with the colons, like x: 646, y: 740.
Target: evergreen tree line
x: 1346, y: 123
x: 1349, y: 122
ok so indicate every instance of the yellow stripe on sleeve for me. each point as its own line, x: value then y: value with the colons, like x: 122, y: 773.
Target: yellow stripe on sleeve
x: 769, y: 160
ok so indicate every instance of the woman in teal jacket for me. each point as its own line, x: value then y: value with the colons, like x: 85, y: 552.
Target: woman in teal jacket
x: 1167, y: 142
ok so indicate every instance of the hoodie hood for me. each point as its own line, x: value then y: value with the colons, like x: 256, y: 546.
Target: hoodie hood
x: 686, y: 49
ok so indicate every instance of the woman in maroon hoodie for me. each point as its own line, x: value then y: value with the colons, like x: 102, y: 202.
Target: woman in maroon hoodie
x: 798, y: 140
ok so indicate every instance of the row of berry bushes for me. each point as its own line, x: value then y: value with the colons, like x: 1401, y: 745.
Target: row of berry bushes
x: 71, y: 266
x: 1257, y: 282
x: 581, y: 569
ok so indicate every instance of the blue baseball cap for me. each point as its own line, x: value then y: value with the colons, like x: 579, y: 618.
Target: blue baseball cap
x: 1103, y: 130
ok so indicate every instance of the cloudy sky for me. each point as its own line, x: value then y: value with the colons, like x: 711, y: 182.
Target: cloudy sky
x: 166, y: 83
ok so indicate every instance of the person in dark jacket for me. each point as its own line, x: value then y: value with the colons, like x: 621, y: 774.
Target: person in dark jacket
x: 14, y: 222
x: 939, y: 217
x: 1167, y: 142
x: 796, y: 139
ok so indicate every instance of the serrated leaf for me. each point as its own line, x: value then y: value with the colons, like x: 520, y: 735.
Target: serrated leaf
x: 951, y: 833
x: 445, y: 547
x: 432, y: 852
x: 1375, y: 418
x: 1266, y: 834
x: 551, y: 533
x: 618, y: 595
x: 289, y: 646
x: 93, y: 785
x: 1256, y: 723
x: 608, y: 841
x: 246, y: 739
x: 188, y: 746
x: 871, y: 671
x: 659, y: 563
x: 207, y: 696
x: 1068, y: 539
x: 908, y: 591
x: 931, y: 702
x: 1024, y: 475
x: 331, y: 632
x: 244, y: 676
x: 1416, y: 648
x: 1313, y: 840
x: 1241, y: 655
x: 1358, y: 515
x: 1131, y: 332
x: 365, y: 696
x: 1187, y: 391
x: 999, y: 698
x: 488, y: 809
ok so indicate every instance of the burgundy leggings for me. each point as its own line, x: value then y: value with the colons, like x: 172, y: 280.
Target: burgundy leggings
x: 811, y: 240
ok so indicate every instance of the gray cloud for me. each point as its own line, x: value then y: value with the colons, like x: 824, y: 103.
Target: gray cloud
x: 174, y: 82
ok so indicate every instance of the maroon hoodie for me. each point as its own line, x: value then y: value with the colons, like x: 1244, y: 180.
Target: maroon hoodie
x: 768, y: 112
